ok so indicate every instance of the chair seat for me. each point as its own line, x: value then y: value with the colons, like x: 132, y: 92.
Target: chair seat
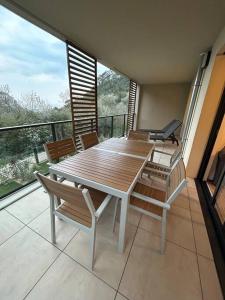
x: 150, y: 192
x: 80, y: 214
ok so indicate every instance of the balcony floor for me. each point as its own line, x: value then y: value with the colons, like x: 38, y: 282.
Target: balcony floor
x: 32, y: 268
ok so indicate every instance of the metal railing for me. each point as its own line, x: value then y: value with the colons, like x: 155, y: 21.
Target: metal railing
x: 22, y: 152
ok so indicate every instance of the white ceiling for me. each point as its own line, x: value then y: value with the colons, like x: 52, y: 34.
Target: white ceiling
x: 151, y: 41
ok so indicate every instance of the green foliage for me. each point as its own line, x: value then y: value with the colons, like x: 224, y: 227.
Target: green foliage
x: 19, y: 147
x: 113, y: 91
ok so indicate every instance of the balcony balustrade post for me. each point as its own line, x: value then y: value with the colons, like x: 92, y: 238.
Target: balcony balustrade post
x: 53, y: 132
x: 112, y: 119
x: 124, y: 124
x: 36, y: 155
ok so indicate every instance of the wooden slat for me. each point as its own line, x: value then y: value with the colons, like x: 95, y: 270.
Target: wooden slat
x: 58, y: 149
x: 82, y: 69
x: 111, y: 169
x: 127, y: 146
x: 138, y: 135
x: 150, y: 192
x: 131, y: 105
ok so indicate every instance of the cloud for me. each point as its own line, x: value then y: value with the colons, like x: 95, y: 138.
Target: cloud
x: 31, y: 59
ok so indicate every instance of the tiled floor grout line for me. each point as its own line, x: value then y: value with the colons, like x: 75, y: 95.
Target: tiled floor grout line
x: 12, y: 235
x: 86, y: 268
x: 195, y: 246
x: 30, y: 220
x: 42, y: 275
x: 172, y: 242
x: 128, y: 258
x: 12, y: 215
x: 61, y: 251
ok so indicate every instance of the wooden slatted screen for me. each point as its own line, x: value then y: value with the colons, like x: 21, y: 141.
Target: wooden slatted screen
x: 131, y: 105
x: 82, y: 69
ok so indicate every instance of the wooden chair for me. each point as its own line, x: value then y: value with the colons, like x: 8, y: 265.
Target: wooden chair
x: 58, y: 149
x: 155, y: 202
x: 138, y: 135
x: 159, y: 170
x: 89, y: 140
x: 81, y: 207
x: 166, y: 133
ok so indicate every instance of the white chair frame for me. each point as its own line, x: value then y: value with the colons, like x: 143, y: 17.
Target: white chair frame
x: 95, y: 214
x: 153, y: 168
x: 164, y: 205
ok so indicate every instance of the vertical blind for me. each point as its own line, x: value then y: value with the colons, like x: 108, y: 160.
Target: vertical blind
x: 131, y: 105
x: 82, y: 70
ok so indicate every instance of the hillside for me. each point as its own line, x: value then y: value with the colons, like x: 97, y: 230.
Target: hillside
x: 113, y: 91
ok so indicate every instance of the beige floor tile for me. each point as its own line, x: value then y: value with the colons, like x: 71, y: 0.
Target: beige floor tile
x: 179, y: 230
x: 23, y: 260
x: 64, y: 231
x: 180, y: 212
x: 29, y: 207
x: 150, y: 275
x: 182, y: 201
x: 209, y: 280
x: 66, y: 280
x: 8, y: 225
x: 195, y: 206
x: 120, y: 297
x: 202, y: 240
x: 197, y: 217
x: 133, y: 217
x: 191, y: 182
x: 193, y: 195
x: 109, y: 263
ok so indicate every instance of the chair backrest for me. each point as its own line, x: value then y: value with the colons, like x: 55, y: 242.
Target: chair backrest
x: 165, y: 128
x: 58, y: 149
x: 171, y: 128
x: 175, y: 156
x: 89, y: 140
x: 176, y: 180
x: 72, y: 195
x: 138, y: 135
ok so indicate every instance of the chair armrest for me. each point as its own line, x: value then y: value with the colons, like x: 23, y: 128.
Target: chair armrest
x: 157, y: 166
x: 162, y: 152
x: 151, y: 200
x: 103, y: 206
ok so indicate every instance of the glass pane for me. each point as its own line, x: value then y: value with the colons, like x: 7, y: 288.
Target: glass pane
x: 21, y: 153
x: 220, y: 201
x: 217, y: 160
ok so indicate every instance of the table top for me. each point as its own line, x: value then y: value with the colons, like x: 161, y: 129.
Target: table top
x: 112, y: 171
x: 123, y: 146
x: 102, y: 170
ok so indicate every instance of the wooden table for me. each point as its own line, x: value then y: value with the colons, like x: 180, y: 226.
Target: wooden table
x: 129, y: 147
x: 111, y: 172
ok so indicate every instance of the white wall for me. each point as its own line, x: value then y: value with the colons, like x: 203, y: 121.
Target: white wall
x: 217, y: 47
x: 161, y: 103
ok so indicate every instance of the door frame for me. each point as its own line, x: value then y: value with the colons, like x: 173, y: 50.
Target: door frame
x: 213, y: 224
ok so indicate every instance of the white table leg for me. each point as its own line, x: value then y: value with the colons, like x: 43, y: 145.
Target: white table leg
x: 123, y: 222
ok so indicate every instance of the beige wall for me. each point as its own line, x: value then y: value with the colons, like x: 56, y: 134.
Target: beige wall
x: 160, y: 103
x: 208, y: 112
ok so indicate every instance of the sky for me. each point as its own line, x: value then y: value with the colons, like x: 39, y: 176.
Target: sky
x: 32, y: 59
